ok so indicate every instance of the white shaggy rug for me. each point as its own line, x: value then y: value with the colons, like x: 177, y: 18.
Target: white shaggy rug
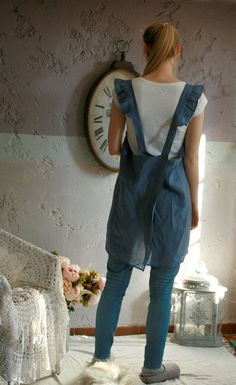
x: 199, y: 366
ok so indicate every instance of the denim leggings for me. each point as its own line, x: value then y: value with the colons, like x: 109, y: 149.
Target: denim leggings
x: 160, y: 286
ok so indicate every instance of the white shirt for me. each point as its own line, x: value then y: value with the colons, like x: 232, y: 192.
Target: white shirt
x: 156, y: 103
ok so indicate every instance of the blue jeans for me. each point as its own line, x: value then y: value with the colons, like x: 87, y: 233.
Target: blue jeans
x: 160, y: 286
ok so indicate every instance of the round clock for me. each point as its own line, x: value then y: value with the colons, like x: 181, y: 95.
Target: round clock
x: 98, y: 111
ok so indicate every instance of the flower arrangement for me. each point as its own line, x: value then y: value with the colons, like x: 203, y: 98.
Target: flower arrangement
x: 81, y: 287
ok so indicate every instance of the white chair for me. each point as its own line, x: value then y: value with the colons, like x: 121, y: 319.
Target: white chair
x: 33, y: 312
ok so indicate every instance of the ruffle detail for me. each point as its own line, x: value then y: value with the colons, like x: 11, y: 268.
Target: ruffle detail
x: 191, y: 104
x: 123, y: 95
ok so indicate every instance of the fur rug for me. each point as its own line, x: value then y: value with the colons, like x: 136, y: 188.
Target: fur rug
x: 106, y: 373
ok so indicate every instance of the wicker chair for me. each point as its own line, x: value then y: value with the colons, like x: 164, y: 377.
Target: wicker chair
x: 33, y: 312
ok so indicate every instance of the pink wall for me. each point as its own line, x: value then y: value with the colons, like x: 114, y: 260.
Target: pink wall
x: 52, y: 51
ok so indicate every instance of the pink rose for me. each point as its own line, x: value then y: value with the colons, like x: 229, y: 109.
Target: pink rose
x: 101, y: 283
x: 74, y: 294
x: 67, y: 286
x: 71, y: 273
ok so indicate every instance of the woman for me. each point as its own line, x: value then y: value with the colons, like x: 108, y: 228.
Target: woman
x: 155, y: 202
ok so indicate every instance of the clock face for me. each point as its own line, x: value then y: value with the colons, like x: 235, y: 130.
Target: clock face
x: 98, y: 117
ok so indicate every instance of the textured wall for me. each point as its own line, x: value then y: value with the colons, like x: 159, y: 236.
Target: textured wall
x: 52, y: 191
x: 51, y: 51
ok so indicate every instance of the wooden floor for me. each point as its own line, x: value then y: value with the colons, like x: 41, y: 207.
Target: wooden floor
x: 230, y: 336
x: 228, y: 330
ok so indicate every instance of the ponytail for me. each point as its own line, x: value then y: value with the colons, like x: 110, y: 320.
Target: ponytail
x: 161, y: 40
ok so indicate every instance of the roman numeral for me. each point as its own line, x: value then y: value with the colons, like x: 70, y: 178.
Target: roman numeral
x: 107, y: 91
x: 99, y: 106
x: 99, y: 133
x: 98, y: 119
x: 103, y: 146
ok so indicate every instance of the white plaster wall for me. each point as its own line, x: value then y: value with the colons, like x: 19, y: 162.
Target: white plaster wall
x: 218, y: 222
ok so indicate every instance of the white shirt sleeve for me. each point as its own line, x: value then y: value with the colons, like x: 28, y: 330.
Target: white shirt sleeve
x: 202, y: 102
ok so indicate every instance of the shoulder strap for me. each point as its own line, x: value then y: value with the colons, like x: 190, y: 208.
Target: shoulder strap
x: 128, y: 105
x: 183, y: 112
x: 175, y: 120
x: 136, y: 120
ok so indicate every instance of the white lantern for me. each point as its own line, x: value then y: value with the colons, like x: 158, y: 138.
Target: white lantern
x: 198, y: 310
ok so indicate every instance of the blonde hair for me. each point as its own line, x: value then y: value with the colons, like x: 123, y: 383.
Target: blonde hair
x: 161, y: 40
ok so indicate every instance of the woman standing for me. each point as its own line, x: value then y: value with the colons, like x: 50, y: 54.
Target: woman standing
x: 155, y: 202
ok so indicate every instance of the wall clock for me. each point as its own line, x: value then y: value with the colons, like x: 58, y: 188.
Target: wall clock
x: 98, y: 111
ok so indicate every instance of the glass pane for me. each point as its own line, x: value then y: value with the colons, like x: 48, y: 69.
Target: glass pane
x: 198, y: 314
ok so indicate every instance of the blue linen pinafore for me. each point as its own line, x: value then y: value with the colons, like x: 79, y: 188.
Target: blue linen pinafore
x: 150, y: 216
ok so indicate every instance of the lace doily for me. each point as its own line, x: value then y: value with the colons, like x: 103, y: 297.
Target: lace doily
x: 33, y: 312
